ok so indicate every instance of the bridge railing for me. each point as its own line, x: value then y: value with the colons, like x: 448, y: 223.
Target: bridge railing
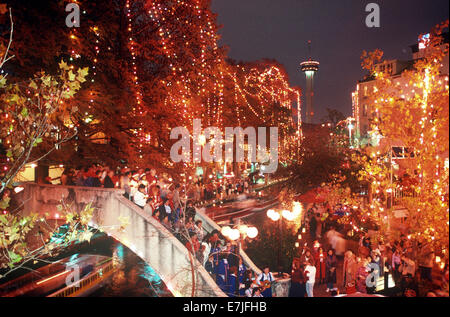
x: 209, y: 225
x: 134, y: 228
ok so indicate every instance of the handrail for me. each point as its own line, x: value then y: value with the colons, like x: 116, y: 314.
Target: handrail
x: 119, y: 190
x: 245, y: 258
x: 173, y: 239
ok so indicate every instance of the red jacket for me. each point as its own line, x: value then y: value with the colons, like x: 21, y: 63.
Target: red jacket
x: 320, y: 265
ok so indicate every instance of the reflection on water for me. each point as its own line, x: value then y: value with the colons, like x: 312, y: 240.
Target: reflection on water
x: 133, y: 278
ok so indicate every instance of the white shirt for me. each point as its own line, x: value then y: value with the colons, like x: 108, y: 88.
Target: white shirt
x: 311, y: 273
x: 139, y: 199
x: 206, y: 252
x: 199, y: 232
x: 133, y: 187
x: 267, y: 277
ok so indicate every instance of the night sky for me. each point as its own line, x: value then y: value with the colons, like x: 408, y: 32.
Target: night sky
x: 280, y: 29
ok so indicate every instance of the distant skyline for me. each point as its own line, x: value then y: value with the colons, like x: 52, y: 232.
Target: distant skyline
x: 280, y: 30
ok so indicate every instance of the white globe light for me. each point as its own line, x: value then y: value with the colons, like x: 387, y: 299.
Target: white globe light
x: 270, y: 213
x: 226, y: 231
x: 252, y: 232
x: 276, y: 216
x: 286, y: 214
x: 234, y: 234
x: 298, y: 208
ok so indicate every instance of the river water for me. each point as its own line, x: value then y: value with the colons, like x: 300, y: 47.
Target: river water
x: 133, y: 278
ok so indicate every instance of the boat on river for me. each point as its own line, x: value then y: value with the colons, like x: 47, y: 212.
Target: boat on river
x: 73, y: 276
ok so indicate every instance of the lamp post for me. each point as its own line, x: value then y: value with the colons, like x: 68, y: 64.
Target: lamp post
x: 238, y: 233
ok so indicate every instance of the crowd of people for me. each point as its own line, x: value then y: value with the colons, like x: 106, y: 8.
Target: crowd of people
x: 407, y: 263
x: 403, y: 266
x: 160, y: 198
x: 313, y: 267
x: 200, y: 189
x: 222, y: 260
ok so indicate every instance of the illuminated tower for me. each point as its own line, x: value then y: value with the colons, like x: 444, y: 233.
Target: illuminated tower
x: 310, y: 68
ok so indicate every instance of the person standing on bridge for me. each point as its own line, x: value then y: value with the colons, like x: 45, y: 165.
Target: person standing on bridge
x: 232, y: 282
x: 139, y: 196
x: 124, y: 183
x: 108, y: 180
x: 193, y: 245
x: 198, y: 228
x: 222, y: 272
x: 164, y: 209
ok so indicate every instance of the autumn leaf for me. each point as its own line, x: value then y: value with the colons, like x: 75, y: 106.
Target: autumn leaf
x: 71, y: 75
x: 24, y: 112
x: 63, y: 65
x: 46, y: 80
x: 2, y: 81
x: 14, y: 258
x: 83, y: 72
x: 70, y: 216
x: 37, y: 141
x: 33, y: 85
x: 4, y: 203
x: 14, y: 98
x: 81, y: 79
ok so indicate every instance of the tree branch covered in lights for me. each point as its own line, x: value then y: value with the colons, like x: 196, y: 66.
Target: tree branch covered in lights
x: 155, y: 65
x: 413, y: 110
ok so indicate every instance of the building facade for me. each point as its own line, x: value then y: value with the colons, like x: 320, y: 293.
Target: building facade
x: 364, y: 112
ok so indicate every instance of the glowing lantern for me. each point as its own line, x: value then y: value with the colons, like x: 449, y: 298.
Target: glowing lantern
x: 298, y: 209
x: 288, y: 215
x: 234, y: 234
x: 276, y: 216
x: 226, y: 231
x: 252, y: 232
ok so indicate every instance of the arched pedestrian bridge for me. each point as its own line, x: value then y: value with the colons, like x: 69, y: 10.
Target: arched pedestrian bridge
x: 150, y: 240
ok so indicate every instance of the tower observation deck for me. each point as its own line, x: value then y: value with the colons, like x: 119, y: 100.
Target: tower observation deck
x: 310, y: 68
